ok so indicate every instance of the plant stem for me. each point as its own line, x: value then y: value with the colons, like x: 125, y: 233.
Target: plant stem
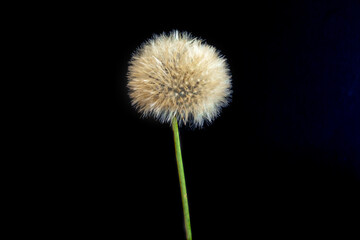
x: 181, y: 178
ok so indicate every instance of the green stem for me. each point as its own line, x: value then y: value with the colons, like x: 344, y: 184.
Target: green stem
x: 181, y: 178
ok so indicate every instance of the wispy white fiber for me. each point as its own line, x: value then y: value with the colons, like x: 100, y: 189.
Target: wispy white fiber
x: 177, y: 75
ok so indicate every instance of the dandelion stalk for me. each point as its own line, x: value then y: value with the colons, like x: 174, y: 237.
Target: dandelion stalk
x: 181, y: 179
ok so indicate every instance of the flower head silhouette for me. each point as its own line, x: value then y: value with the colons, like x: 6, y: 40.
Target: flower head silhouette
x: 177, y: 75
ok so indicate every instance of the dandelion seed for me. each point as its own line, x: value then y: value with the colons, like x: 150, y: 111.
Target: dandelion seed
x: 184, y: 66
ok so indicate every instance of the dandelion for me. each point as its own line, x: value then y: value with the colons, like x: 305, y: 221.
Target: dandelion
x: 177, y: 78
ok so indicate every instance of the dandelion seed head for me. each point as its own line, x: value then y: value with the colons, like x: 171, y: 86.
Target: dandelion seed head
x: 177, y: 75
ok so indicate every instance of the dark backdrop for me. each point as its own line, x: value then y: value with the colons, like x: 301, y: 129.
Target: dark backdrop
x: 282, y: 160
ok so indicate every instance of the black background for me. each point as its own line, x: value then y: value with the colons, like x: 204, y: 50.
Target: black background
x: 282, y: 160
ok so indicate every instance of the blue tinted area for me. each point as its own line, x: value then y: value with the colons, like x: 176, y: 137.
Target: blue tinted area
x: 313, y: 100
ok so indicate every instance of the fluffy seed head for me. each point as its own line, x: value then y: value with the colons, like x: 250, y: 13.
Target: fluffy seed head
x: 178, y: 75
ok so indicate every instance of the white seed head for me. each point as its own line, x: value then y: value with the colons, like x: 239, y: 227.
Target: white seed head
x: 176, y: 75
